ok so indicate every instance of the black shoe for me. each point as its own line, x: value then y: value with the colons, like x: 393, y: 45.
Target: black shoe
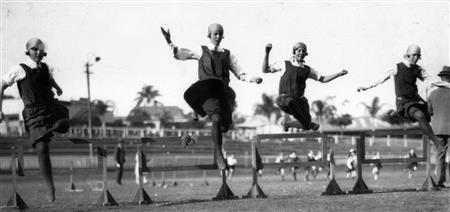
x: 313, y: 126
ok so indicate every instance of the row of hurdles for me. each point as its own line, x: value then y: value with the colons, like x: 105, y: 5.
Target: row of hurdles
x: 326, y: 140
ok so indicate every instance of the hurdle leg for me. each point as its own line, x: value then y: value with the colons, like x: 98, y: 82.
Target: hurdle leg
x: 429, y: 183
x: 333, y: 187
x: 225, y: 191
x: 106, y: 199
x: 72, y: 187
x: 255, y: 190
x: 15, y: 201
x: 141, y: 197
x: 360, y: 186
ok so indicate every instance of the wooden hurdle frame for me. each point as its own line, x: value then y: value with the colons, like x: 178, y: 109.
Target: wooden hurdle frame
x: 332, y: 188
x: 360, y: 186
x: 224, y: 192
x: 16, y: 201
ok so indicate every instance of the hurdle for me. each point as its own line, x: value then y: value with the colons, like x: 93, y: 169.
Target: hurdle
x: 72, y: 187
x: 224, y: 191
x: 16, y: 201
x: 360, y: 186
x: 141, y: 197
x: 106, y: 199
x: 256, y: 191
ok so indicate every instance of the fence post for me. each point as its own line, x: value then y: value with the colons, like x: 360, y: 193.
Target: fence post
x: 255, y: 190
x: 429, y: 183
x: 360, y: 186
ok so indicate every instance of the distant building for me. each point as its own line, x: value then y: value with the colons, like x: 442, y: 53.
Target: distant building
x: 157, y: 112
x: 13, y: 123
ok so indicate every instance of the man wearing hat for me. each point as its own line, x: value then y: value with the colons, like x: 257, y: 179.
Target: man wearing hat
x: 119, y: 156
x: 43, y: 115
x: 410, y: 105
x: 439, y: 108
x: 211, y: 94
x: 292, y: 85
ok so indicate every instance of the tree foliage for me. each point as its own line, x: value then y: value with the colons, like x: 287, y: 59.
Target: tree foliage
x: 147, y: 95
x: 341, y: 121
x: 268, y: 107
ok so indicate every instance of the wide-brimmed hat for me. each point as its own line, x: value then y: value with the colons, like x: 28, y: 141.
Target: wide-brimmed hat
x: 445, y: 71
x: 352, y: 150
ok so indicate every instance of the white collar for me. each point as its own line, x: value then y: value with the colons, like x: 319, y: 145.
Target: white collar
x: 407, y: 64
x: 295, y: 63
x: 211, y: 47
x: 30, y: 63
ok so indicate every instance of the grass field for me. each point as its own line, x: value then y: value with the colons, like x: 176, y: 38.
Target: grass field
x: 392, y: 192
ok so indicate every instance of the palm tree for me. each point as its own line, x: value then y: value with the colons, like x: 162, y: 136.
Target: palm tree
x: 268, y: 108
x: 147, y: 93
x: 323, y: 110
x: 373, y: 109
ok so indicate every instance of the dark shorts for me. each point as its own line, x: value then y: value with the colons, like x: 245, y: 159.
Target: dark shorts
x: 208, y: 97
x: 42, y: 121
x: 404, y: 104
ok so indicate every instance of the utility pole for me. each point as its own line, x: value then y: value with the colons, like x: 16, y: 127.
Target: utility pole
x: 87, y: 65
x: 89, y: 101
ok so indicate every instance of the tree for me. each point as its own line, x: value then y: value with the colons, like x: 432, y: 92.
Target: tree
x: 137, y: 117
x: 148, y: 93
x: 323, y: 110
x: 165, y: 119
x: 268, y: 108
x: 342, y: 121
x: 373, y: 109
x: 99, y: 110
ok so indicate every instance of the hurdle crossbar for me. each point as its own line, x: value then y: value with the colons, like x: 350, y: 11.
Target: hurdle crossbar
x: 224, y: 192
x: 255, y: 190
x: 360, y: 186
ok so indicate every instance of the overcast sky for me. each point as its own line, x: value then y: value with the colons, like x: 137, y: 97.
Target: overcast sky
x: 364, y: 38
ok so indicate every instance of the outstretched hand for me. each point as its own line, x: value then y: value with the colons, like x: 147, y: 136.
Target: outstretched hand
x: 59, y: 92
x: 166, y: 35
x: 361, y: 89
x: 344, y: 72
x: 268, y: 48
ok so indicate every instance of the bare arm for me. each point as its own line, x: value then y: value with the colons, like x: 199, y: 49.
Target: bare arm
x: 325, y: 79
x: 179, y: 53
x: 388, y: 75
x: 266, y: 68
x: 56, y: 86
x: 265, y: 65
x: 237, y: 71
